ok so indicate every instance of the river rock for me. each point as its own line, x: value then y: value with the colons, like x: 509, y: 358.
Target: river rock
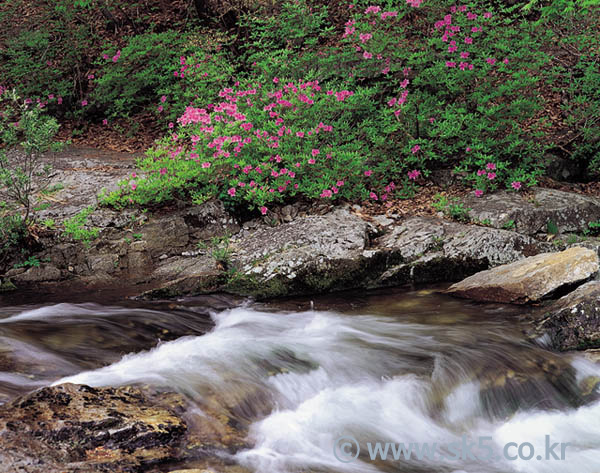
x: 310, y: 254
x: 531, y: 279
x: 570, y: 212
x: 434, y: 250
x: 573, y: 322
x: 78, y: 428
x: 43, y: 273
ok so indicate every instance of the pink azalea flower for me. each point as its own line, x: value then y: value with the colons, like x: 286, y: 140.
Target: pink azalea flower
x: 105, y: 122
x: 231, y: 191
x: 491, y: 176
x: 414, y: 174
x: 163, y: 171
x: 163, y: 99
x: 263, y: 210
x: 468, y: 40
x: 478, y: 193
x: 490, y: 166
x: 311, y: 161
x: 415, y: 149
x: 481, y: 172
x: 206, y: 165
x: 315, y: 152
x: 339, y: 183
x: 516, y: 185
x: 373, y: 196
x: 367, y: 55
x: 368, y: 173
x: 84, y: 103
x: 133, y: 186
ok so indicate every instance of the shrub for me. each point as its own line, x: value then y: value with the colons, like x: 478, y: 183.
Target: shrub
x: 22, y: 172
x: 164, y: 70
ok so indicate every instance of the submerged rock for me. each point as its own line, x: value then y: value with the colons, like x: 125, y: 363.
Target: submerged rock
x: 573, y: 322
x: 531, y: 279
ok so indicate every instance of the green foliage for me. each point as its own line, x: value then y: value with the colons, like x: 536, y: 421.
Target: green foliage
x: 31, y: 262
x: 181, y: 68
x: 25, y: 134
x: 12, y: 233
x: 77, y: 227
x: 509, y: 225
x: 551, y: 228
x: 451, y: 208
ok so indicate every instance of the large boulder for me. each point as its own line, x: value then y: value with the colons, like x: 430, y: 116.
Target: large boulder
x: 311, y: 254
x: 434, y: 250
x: 531, y: 279
x: 570, y: 212
x: 573, y: 322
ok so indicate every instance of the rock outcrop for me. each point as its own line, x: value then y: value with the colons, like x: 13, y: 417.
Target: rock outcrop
x: 570, y: 212
x: 531, y: 279
x: 573, y: 322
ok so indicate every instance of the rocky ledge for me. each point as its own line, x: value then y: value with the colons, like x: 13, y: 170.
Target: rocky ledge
x: 294, y: 250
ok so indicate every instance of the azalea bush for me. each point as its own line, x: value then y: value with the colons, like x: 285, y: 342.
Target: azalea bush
x: 259, y: 144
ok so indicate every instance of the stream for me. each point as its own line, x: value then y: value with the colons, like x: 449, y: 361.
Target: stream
x: 314, y: 385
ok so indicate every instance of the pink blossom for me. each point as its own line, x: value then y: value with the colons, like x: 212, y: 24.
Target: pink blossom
x: 490, y: 60
x: 105, y: 122
x: 414, y: 174
x: 415, y: 149
x: 368, y: 173
x: 326, y: 193
x: 373, y: 196
x: 133, y: 186
x: 163, y: 99
x: 367, y: 55
x: 468, y: 149
x: 339, y: 183
x: 478, y: 192
x: 315, y: 152
x: 491, y: 175
x: 84, y: 103
x: 263, y: 210
x: 468, y: 40
x: 481, y: 172
x: 516, y: 185
x: 490, y: 166
x: 206, y: 165
x: 231, y: 191
x: 163, y: 171
x: 311, y: 161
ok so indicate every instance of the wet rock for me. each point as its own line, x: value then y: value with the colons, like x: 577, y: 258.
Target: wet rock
x: 573, y: 322
x: 43, y: 273
x: 570, y: 212
x: 433, y: 250
x: 185, y: 276
x: 165, y: 234
x: 531, y: 279
x: 78, y: 428
x: 311, y: 254
x: 209, y: 220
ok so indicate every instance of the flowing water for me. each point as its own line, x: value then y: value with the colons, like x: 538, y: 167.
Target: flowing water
x: 406, y: 366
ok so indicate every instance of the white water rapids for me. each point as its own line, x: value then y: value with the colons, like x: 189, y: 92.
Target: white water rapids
x: 323, y: 375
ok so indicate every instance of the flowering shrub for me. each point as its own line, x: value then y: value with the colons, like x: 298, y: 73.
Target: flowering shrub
x: 261, y: 144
